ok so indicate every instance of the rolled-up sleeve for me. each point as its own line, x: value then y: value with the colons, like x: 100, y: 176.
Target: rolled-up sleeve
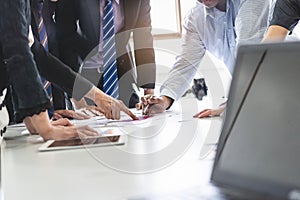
x: 187, y: 63
x: 286, y: 14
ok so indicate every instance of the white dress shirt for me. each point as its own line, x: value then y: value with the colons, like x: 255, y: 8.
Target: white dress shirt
x: 219, y: 33
x: 95, y: 61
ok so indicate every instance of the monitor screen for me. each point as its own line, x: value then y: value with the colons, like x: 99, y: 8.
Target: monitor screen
x: 259, y: 146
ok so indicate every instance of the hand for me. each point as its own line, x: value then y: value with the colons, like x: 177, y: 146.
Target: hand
x: 57, y: 130
x: 90, y: 111
x: 107, y: 105
x: 82, y: 107
x: 152, y: 104
x: 148, y: 91
x: 58, y: 114
x: 210, y: 112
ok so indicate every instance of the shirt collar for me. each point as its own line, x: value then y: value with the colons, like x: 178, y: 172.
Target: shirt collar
x: 117, y: 1
x: 214, y: 12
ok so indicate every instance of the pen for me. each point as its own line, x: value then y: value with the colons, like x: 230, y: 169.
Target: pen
x: 144, y: 109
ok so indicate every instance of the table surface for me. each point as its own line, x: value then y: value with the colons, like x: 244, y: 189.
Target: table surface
x: 168, y: 152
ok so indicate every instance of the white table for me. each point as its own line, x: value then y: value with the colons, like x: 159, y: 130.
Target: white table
x: 161, y: 155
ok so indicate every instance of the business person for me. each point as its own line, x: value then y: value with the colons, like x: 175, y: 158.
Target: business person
x: 18, y: 71
x: 217, y: 26
x: 85, y: 42
x: 65, y: 78
x: 286, y: 16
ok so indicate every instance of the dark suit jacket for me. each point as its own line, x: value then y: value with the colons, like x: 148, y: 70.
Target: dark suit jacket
x: 76, y: 42
x: 49, y: 66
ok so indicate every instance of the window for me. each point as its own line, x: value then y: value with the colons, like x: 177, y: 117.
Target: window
x: 164, y: 15
x: 167, y: 16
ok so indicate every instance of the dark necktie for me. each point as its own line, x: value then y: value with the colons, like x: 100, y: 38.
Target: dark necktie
x: 110, y: 75
x: 44, y: 41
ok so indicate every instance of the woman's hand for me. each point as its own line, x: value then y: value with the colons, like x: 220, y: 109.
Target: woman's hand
x: 56, y: 130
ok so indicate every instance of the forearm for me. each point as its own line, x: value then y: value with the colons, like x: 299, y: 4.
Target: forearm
x: 29, y: 95
x: 57, y: 72
x: 143, y: 46
x: 275, y: 34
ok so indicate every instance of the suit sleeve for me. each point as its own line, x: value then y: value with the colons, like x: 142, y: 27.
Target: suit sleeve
x: 143, y: 45
x: 71, y: 44
x: 60, y: 74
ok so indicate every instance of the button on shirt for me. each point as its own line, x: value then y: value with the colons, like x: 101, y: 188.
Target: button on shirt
x: 96, y: 60
x: 219, y: 33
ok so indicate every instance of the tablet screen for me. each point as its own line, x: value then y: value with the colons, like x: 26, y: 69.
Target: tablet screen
x: 85, y: 141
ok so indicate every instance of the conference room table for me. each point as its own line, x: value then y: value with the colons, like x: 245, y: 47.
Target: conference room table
x: 165, y: 153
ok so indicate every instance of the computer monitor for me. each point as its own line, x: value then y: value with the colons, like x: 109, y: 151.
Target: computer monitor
x: 259, y: 146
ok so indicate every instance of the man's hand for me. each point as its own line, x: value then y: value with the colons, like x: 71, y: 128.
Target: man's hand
x: 107, y: 105
x: 152, y: 104
x: 148, y: 91
x: 211, y: 112
x: 58, y: 130
x: 82, y: 107
x: 59, y: 114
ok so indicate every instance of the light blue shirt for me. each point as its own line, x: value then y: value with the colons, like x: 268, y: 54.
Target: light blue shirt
x: 219, y: 33
x: 95, y: 61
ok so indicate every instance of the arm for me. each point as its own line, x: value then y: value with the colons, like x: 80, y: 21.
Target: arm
x: 143, y: 49
x: 187, y: 63
x: 275, y: 33
x: 57, y: 72
x: 285, y: 17
x: 28, y: 93
x: 30, y: 99
x: 184, y: 69
x: 71, y: 44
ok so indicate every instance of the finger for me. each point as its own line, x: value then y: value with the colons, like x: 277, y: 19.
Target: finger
x: 56, y: 116
x: 108, y: 115
x: 146, y: 97
x: 82, y: 115
x: 203, y: 111
x: 97, y: 113
x: 127, y: 111
x: 138, y: 106
x: 62, y: 122
x: 207, y: 113
x: 86, y: 131
x: 116, y: 111
x: 93, y: 111
x: 99, y: 109
x: 153, y: 100
x: 76, y: 116
x: 88, y: 113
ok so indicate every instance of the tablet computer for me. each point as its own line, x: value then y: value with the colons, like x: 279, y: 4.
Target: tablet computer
x: 88, y: 142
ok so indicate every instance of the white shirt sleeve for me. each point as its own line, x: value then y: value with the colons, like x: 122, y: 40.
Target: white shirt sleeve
x: 187, y: 63
x: 30, y: 37
x: 252, y: 20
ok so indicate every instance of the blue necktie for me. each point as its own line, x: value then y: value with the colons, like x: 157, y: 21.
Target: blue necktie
x: 110, y: 75
x: 44, y: 41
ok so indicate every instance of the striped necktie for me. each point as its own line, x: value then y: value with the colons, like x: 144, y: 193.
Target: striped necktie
x: 110, y: 75
x: 44, y: 41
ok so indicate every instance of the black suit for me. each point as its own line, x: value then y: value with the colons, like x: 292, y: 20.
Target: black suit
x: 48, y: 10
x: 76, y: 45
x: 49, y: 66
